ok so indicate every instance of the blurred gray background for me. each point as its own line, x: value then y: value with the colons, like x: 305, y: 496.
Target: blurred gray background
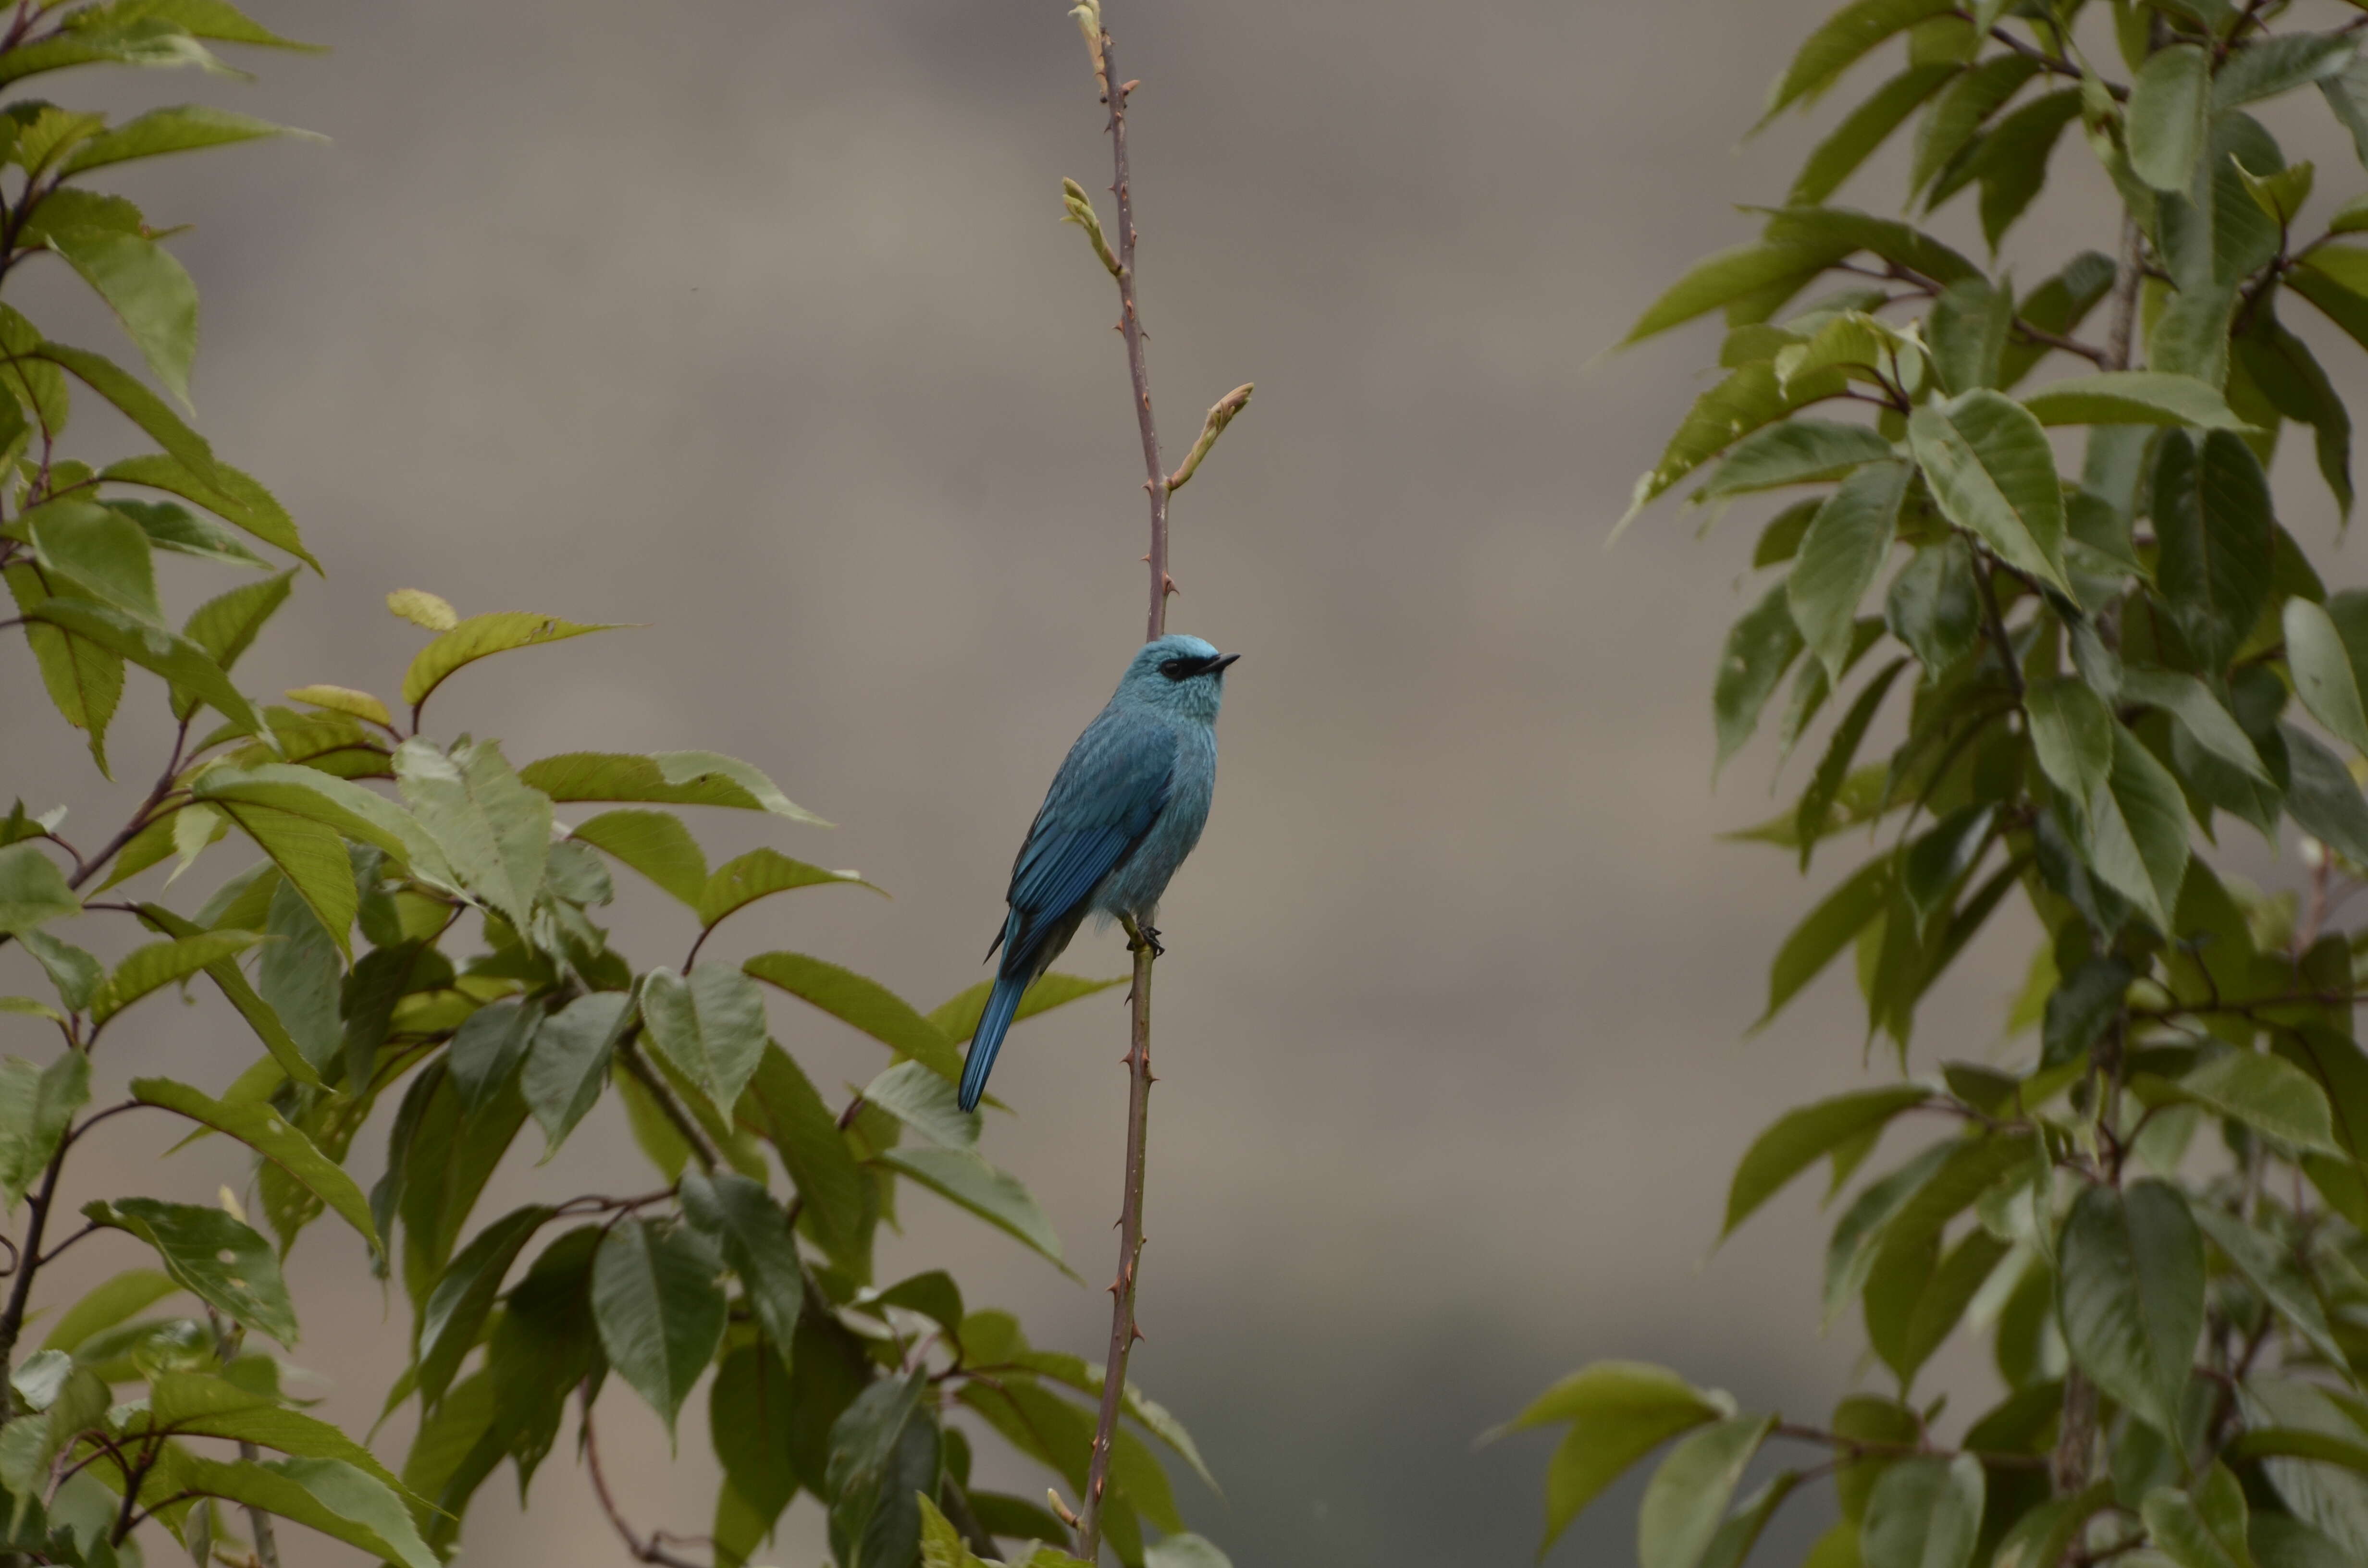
x: 754, y: 322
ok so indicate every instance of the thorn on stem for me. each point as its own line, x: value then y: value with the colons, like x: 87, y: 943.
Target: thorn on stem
x: 1126, y: 89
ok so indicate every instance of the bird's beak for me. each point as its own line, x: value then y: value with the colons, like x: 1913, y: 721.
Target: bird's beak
x: 1217, y: 666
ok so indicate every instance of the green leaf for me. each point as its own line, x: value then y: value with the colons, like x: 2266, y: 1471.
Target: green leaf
x: 924, y: 1102
x: 1956, y: 117
x: 159, y: 965
x: 741, y: 881
x: 1688, y: 1494
x: 1838, y: 43
x: 201, y: 1404
x: 226, y: 625
x: 864, y: 1003
x: 1968, y: 327
x: 1915, y: 1294
x: 2268, y: 66
x: 1799, y: 1138
x: 2078, y: 1009
x: 1753, y: 397
x: 2209, y: 724
x: 2206, y: 1529
x: 215, y: 1258
x: 179, y: 128
x: 340, y: 1500
x: 101, y: 551
x: 669, y: 777
x: 964, y: 1178
x: 655, y: 844
x: 454, y: 1317
x: 488, y: 1048
x: 1993, y: 473
x: 1829, y: 928
x: 2041, y: 1537
x: 782, y: 1104
x: 883, y: 1456
x: 2132, y: 397
x: 37, y: 1106
x: 310, y: 857
x: 1925, y: 1513
x: 2072, y: 733
x: 2290, y: 376
x: 2211, y: 519
x: 84, y: 680
x: 33, y: 891
x: 1865, y: 129
x: 123, y: 1296
x: 957, y: 1017
x: 749, y: 1418
x: 659, y: 1309
x: 1885, y: 237
x: 2166, y: 119
x: 261, y: 1016
x: 2326, y: 677
x: 754, y: 1233
x: 494, y: 829
x: 479, y: 636
x: 710, y: 1024
x: 2011, y: 160
x: 1729, y: 276
x: 1939, y: 859
x: 2273, y: 1271
x: 568, y: 1062
x: 1840, y: 556
x: 2264, y: 1092
x: 219, y: 489
x: 149, y: 291
x: 2139, y: 830
x: 2131, y: 1294
x: 261, y: 1128
x: 1759, y: 649
x: 2320, y: 793
x: 1798, y: 451
x: 179, y: 661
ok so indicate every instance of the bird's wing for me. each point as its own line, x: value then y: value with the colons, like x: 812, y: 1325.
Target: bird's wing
x: 1107, y: 796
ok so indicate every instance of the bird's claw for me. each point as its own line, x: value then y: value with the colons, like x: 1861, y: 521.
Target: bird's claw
x: 1148, y: 937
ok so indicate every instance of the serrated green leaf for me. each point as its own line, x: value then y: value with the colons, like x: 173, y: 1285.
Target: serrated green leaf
x: 964, y: 1178
x: 481, y: 636
x: 1840, y: 557
x: 2132, y: 397
x: 270, y: 1134
x: 864, y: 1003
x: 1994, y: 475
x: 2131, y: 1294
x: 2212, y: 520
x: 151, y: 294
x: 2166, y: 119
x: 215, y: 1258
x: 710, y: 1023
x: 1688, y: 1493
x: 659, y: 1309
x: 159, y: 965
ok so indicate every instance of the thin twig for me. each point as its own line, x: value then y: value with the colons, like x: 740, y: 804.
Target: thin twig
x: 1123, y: 1331
x: 20, y: 1293
x: 642, y: 1550
x: 2090, y: 352
x: 2126, y: 296
x: 647, y: 1077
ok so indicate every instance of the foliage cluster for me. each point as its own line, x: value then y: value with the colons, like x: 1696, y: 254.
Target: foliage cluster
x: 2156, y: 1214
x: 434, y: 949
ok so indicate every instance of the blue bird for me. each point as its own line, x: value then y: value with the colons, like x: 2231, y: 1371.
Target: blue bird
x: 1125, y: 808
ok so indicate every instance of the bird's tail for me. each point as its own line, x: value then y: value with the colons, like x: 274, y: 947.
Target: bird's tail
x: 1001, y: 1003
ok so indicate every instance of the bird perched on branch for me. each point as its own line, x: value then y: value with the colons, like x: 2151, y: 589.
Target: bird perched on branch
x: 1125, y: 808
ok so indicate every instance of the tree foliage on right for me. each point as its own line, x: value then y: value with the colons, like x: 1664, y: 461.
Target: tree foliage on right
x: 2100, y: 669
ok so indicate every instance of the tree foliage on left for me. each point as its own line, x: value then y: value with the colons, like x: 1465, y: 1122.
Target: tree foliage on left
x: 418, y: 929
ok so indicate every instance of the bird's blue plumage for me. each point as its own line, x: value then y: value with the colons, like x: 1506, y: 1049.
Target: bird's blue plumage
x: 1125, y: 808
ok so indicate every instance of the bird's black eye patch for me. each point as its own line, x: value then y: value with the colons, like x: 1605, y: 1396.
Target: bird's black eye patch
x: 1183, y: 669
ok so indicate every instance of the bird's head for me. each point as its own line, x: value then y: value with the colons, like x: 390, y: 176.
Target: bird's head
x: 1177, y: 674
